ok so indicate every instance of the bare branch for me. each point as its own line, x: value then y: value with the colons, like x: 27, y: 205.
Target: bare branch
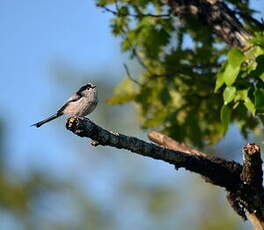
x: 139, y: 59
x: 251, y: 19
x: 135, y: 52
x: 217, y: 171
x: 139, y: 15
x: 168, y: 142
x: 242, y: 196
x: 129, y: 75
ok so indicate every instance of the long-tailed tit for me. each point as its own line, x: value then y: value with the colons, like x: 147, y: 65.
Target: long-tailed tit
x: 80, y: 104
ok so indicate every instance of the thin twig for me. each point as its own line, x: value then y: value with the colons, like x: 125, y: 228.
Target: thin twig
x: 129, y: 75
x: 116, y: 6
x: 260, y: 24
x: 133, y: 48
x: 118, y: 13
x: 135, y: 53
x: 139, y: 59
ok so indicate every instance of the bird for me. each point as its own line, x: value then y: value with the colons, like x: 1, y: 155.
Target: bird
x: 80, y: 104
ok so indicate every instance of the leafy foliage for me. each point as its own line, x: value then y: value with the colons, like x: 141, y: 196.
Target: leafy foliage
x: 192, y: 85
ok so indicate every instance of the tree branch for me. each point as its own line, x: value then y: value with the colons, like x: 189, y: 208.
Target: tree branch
x: 139, y: 15
x: 217, y: 15
x: 168, y: 142
x: 252, y: 167
x: 240, y: 182
x: 252, y: 197
x: 235, y: 204
x: 216, y: 170
x: 129, y: 75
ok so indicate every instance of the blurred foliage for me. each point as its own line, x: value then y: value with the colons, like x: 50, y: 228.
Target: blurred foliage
x: 192, y: 85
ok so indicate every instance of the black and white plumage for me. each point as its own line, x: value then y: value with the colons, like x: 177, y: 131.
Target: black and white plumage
x: 81, y: 103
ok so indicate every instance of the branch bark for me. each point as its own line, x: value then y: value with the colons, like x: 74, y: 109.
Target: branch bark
x: 217, y: 15
x: 168, y: 142
x: 217, y: 171
x: 252, y: 167
x: 243, y: 183
x: 252, y: 177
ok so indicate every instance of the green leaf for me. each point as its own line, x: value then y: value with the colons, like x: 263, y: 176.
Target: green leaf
x: 193, y: 125
x: 219, y: 81
x: 144, y: 95
x: 152, y: 38
x: 258, y: 72
x: 157, y: 118
x: 229, y: 94
x: 235, y: 57
x: 230, y: 74
x: 220, y: 77
x: 241, y: 95
x: 124, y: 92
x: 123, y: 10
x: 118, y: 24
x: 225, y: 117
x: 250, y: 105
x: 258, y: 39
x: 165, y: 97
x: 262, y: 76
x: 120, y: 99
x: 101, y: 3
x: 259, y: 98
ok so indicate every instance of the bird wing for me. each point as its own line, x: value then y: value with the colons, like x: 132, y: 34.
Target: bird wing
x: 74, y: 97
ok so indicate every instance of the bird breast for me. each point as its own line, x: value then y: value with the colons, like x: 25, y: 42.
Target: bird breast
x: 82, y: 107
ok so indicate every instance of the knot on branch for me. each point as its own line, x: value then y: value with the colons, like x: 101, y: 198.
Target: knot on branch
x: 84, y: 127
x: 251, y: 149
x: 74, y: 124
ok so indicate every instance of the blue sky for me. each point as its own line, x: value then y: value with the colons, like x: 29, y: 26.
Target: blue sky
x: 35, y: 36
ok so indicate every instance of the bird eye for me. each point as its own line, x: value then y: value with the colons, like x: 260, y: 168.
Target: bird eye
x: 90, y: 86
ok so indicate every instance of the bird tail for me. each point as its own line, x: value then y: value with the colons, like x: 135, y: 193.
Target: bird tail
x: 38, y: 124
